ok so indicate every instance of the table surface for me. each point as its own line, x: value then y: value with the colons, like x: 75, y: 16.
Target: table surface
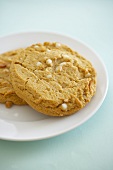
x: 90, y: 146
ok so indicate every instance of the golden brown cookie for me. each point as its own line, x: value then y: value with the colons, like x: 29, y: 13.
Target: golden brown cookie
x: 53, y: 79
x: 7, y: 93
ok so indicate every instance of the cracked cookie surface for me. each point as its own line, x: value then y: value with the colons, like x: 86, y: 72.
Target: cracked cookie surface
x: 53, y: 79
x: 7, y: 93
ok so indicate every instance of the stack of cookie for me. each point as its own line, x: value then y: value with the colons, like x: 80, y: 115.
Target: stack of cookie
x: 50, y: 77
x: 7, y: 93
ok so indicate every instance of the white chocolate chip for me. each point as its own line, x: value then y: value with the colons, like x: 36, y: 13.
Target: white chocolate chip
x: 59, y: 68
x: 38, y: 63
x: 66, y: 57
x: 48, y: 50
x: 64, y: 106
x: 49, y: 76
x: 49, y: 62
x: 36, y: 46
x: 63, y: 63
x: 48, y: 69
x: 87, y: 75
x: 57, y: 45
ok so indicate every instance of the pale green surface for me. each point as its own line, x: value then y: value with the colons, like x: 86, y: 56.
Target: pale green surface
x: 90, y: 146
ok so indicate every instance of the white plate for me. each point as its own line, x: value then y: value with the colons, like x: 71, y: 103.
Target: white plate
x: 21, y: 123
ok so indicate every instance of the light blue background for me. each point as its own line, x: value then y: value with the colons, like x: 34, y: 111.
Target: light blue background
x: 90, y: 146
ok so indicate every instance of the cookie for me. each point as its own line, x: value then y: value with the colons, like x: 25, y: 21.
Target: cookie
x: 53, y: 79
x: 7, y: 93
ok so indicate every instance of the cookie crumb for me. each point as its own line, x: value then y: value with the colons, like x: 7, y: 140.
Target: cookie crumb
x: 8, y: 104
